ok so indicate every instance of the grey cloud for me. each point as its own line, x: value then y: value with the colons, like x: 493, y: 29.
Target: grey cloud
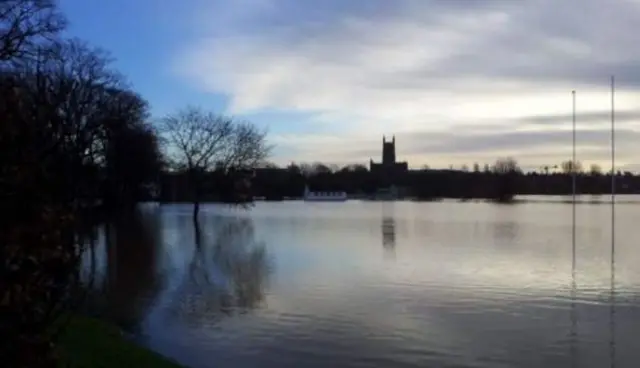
x: 591, y: 117
x: 526, y: 145
x: 526, y: 48
x: 445, y: 143
x: 301, y: 20
x: 296, y: 12
x: 523, y: 49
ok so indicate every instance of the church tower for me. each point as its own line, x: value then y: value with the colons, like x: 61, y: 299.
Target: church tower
x: 388, y: 169
x: 388, y: 151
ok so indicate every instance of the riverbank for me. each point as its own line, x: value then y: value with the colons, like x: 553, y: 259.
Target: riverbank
x: 91, y: 343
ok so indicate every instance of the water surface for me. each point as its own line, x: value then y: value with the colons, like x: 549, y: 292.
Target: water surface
x: 378, y: 284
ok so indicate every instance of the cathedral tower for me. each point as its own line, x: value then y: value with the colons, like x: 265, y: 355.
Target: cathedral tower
x: 389, y: 151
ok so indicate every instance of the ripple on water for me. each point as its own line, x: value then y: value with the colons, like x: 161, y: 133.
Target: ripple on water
x: 384, y: 285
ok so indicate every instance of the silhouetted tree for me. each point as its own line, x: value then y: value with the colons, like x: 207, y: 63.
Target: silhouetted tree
x: 306, y: 169
x: 37, y: 249
x: 199, y: 142
x: 354, y: 168
x: 506, y: 170
x: 595, y: 170
x: 26, y: 26
x: 505, y: 166
x: 320, y: 168
x: 130, y: 147
x: 60, y: 126
x: 134, y: 163
x: 569, y: 167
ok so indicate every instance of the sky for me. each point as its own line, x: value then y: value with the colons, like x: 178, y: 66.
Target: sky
x: 456, y: 81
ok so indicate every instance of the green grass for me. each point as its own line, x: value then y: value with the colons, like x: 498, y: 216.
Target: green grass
x: 91, y: 343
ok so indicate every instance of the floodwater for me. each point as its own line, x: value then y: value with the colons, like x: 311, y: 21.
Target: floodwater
x: 378, y: 284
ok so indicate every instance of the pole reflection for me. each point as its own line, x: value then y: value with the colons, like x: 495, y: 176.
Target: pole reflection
x: 612, y: 312
x: 574, y: 318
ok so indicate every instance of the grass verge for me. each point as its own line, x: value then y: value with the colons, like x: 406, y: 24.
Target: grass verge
x: 92, y: 343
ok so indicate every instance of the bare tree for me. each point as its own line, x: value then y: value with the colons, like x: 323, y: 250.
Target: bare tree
x: 73, y: 100
x: 199, y: 142
x: 320, y: 168
x: 269, y: 165
x: 506, y: 170
x: 476, y: 167
x: 506, y: 165
x: 306, y: 169
x: 569, y: 167
x: 355, y: 168
x: 595, y: 170
x: 25, y: 25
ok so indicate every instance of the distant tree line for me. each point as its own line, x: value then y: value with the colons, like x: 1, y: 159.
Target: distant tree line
x: 498, y: 182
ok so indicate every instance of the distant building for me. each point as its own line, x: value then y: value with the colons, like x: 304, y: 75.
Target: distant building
x: 388, y: 167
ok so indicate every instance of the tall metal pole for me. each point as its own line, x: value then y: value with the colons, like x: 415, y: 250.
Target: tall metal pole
x: 612, y: 330
x: 574, y: 322
x: 573, y: 179
x: 613, y: 170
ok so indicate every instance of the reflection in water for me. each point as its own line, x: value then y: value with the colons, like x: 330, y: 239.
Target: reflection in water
x: 485, y: 286
x: 133, y: 279
x: 388, y: 231
x: 574, y: 317
x: 506, y: 232
x: 122, y: 267
x: 227, y: 273
x: 612, y: 309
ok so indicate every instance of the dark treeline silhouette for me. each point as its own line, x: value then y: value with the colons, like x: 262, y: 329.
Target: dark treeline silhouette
x: 77, y: 143
x: 500, y: 181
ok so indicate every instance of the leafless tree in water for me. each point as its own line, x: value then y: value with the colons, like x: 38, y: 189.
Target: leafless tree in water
x: 199, y: 142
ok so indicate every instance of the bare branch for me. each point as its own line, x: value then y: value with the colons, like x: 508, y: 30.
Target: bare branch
x: 26, y: 25
x: 202, y: 141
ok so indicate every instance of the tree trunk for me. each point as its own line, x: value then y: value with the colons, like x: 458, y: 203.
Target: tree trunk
x: 196, y: 209
x: 197, y: 234
x: 195, y: 184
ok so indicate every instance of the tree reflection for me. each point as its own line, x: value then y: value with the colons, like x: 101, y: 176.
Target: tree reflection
x: 227, y: 273
x: 132, y: 280
x: 505, y: 231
